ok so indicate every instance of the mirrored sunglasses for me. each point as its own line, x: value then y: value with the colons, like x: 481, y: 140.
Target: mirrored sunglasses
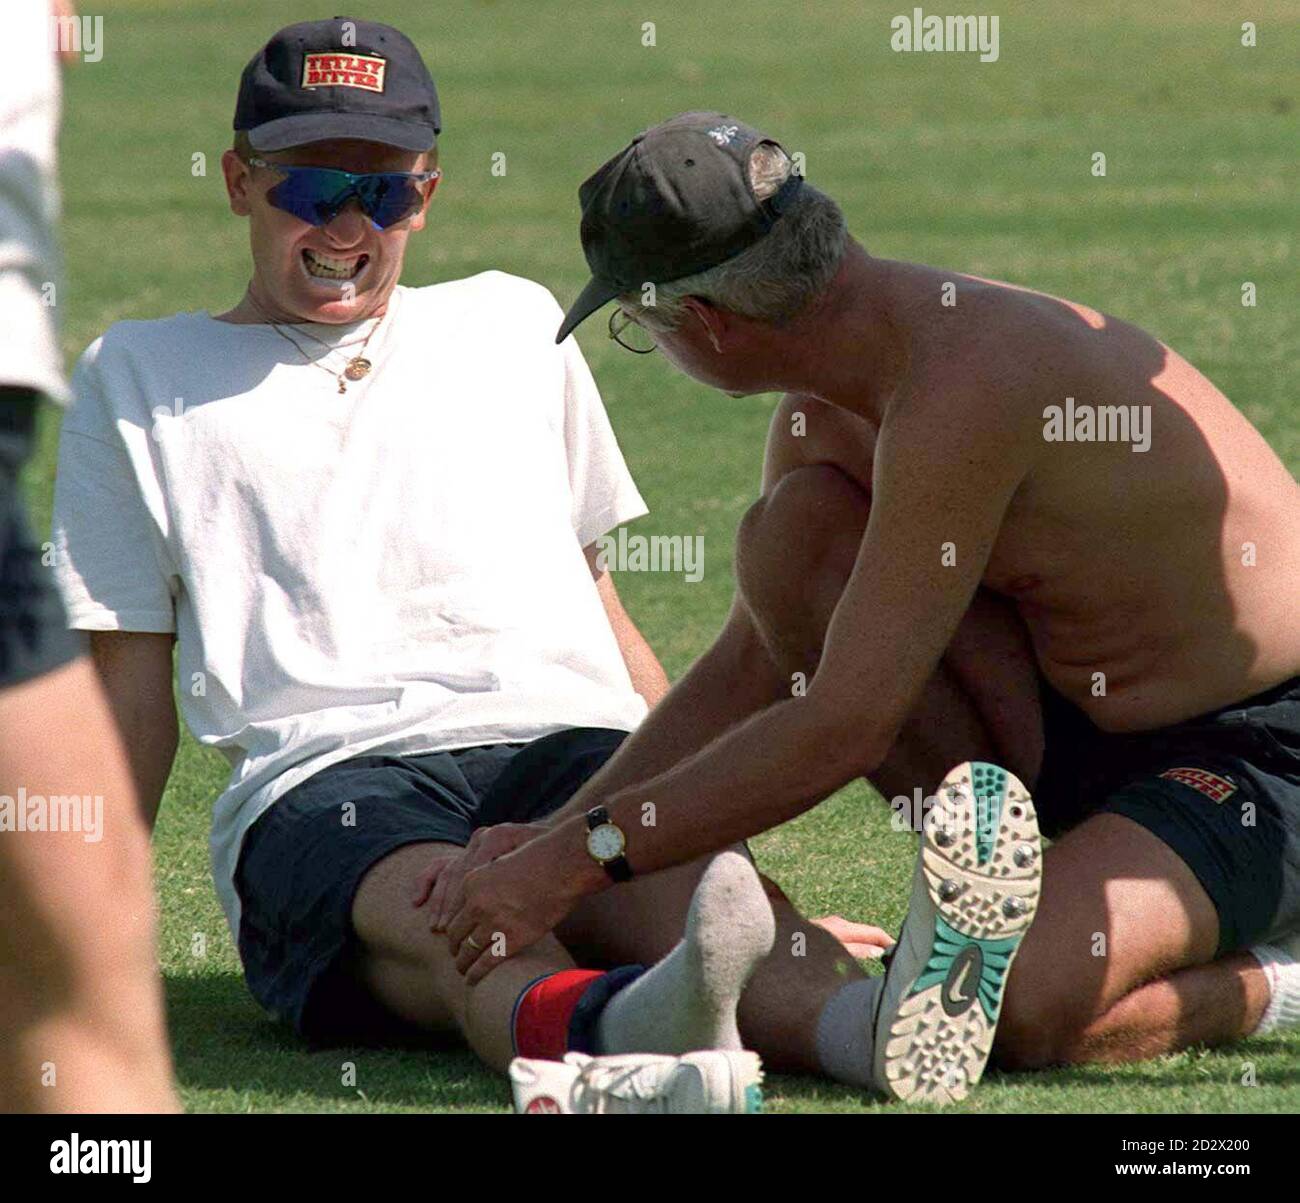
x: 317, y: 195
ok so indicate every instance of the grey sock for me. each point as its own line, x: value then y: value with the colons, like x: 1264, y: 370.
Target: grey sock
x: 688, y: 1000
x: 845, y: 1032
x: 1283, y: 973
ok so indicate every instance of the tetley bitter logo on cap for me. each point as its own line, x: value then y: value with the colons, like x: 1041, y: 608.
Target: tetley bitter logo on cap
x: 339, y: 70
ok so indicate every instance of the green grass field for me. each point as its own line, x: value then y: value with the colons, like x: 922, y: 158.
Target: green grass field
x: 984, y: 168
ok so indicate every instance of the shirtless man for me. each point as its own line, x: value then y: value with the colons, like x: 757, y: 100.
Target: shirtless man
x: 960, y: 568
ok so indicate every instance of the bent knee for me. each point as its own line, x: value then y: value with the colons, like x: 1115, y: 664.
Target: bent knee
x: 1028, y: 1037
x: 796, y: 547
x: 817, y: 499
x: 1043, y: 1022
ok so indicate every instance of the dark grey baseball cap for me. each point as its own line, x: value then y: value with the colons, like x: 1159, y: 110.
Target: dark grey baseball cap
x: 675, y: 201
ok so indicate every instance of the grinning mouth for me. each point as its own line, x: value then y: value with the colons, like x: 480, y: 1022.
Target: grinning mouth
x: 325, y: 268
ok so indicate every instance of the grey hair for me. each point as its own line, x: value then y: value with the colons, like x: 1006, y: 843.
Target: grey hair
x: 776, y: 277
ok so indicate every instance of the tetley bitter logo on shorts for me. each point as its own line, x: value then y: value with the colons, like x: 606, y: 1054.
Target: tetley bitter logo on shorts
x: 340, y: 70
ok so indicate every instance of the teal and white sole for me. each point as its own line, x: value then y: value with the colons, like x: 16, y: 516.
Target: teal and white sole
x: 732, y: 1079
x: 747, y: 1083
x: 974, y: 895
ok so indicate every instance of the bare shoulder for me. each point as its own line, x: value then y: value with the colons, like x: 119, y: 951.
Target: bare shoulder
x: 1013, y: 337
x: 951, y: 428
x: 981, y: 370
x: 962, y: 396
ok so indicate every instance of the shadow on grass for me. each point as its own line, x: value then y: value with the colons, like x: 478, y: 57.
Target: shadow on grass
x: 222, y: 1041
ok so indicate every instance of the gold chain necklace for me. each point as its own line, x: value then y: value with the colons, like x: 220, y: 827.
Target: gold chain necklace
x: 357, y: 368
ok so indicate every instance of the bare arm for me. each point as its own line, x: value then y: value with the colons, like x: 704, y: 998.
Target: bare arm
x: 898, y: 612
x: 731, y: 681
x: 734, y: 679
x: 136, y: 670
x: 648, y: 676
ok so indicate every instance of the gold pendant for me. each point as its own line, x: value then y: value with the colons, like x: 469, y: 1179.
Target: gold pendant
x: 358, y: 368
x: 343, y: 388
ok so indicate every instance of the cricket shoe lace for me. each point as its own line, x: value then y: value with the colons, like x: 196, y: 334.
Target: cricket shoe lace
x: 598, y: 1082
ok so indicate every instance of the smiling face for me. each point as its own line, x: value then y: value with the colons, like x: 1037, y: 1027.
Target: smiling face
x: 343, y: 271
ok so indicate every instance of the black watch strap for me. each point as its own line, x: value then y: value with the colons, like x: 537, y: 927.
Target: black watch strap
x: 618, y: 868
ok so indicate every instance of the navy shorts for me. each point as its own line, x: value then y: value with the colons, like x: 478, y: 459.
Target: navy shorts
x: 302, y: 861
x: 1222, y: 790
x: 34, y: 635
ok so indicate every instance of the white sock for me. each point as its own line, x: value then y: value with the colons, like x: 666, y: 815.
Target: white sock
x: 846, y: 1033
x: 688, y: 1000
x: 1283, y: 973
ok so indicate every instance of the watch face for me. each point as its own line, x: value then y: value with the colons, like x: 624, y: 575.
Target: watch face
x: 605, y: 842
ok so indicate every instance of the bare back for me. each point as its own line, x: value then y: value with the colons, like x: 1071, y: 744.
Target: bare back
x: 1153, y: 546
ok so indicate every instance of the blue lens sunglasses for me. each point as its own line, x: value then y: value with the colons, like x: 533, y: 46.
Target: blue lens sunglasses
x: 317, y: 195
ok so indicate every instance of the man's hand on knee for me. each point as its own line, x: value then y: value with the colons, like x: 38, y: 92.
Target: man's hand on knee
x: 442, y: 883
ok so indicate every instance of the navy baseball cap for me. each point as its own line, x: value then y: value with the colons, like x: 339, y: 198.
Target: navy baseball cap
x: 338, y: 79
x: 675, y: 201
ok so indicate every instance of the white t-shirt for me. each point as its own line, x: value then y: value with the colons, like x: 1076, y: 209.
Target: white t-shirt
x: 396, y: 568
x: 29, y: 202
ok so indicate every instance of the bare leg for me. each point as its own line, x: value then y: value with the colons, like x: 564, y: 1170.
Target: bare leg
x: 1209, y: 1004
x: 80, y: 997
x: 1118, y: 965
x: 639, y: 922
x: 411, y: 970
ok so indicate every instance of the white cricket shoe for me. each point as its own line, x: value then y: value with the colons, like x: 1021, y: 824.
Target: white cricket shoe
x: 713, y: 1082
x: 974, y: 893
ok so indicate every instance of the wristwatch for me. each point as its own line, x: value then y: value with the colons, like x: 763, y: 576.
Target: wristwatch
x: 606, y: 843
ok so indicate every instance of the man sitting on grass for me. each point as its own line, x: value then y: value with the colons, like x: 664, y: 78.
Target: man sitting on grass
x: 366, y: 516
x: 993, y: 524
